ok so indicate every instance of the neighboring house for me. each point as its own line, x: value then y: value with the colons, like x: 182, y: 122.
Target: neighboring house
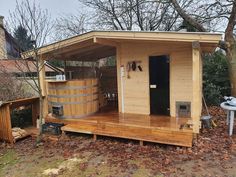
x: 159, y: 83
x: 10, y: 61
x: 21, y: 68
x: 9, y: 49
x: 17, y: 74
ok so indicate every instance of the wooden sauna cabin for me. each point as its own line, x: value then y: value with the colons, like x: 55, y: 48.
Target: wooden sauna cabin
x: 73, y: 99
x: 159, y: 83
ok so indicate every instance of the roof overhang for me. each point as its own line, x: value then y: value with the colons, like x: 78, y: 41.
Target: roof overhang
x: 100, y: 44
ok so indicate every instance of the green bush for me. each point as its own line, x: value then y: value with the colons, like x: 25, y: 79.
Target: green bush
x: 21, y: 117
x: 216, y: 82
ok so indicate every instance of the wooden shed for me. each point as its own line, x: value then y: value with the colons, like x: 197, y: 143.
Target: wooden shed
x: 159, y: 84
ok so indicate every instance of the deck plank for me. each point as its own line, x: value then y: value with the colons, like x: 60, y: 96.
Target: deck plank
x: 159, y: 129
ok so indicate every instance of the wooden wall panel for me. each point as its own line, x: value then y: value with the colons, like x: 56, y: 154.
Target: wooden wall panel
x: 5, y: 124
x: 136, y: 88
x: 181, y: 78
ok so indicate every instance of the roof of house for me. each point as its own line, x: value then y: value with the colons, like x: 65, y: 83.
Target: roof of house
x: 98, y: 44
x: 18, y: 66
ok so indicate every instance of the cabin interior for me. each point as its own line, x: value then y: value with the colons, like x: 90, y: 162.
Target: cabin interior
x: 143, y: 86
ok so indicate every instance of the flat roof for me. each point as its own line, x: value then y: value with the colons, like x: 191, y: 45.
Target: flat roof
x: 109, y: 40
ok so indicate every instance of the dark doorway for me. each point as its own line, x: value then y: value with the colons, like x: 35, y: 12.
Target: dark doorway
x: 159, y: 70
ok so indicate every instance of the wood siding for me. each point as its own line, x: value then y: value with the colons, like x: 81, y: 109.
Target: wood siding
x: 136, y: 88
x: 180, y: 78
x: 5, y: 124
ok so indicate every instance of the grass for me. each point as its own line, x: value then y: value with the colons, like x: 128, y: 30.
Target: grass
x: 11, y: 163
x: 7, y: 159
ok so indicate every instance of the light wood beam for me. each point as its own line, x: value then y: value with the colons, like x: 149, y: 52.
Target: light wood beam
x: 197, y: 88
x: 94, y: 55
x: 42, y: 76
x: 105, y: 42
x: 82, y: 50
x: 118, y: 66
x: 96, y: 51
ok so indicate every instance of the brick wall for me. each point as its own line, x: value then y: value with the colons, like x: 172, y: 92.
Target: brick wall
x: 3, y: 53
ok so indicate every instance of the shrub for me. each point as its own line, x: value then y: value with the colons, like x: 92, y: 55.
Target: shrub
x: 216, y: 82
x: 21, y: 117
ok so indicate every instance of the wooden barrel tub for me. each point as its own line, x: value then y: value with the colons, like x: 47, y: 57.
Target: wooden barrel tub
x: 76, y: 98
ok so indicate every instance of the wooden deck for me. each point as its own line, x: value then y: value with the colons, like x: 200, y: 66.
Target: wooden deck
x: 160, y: 129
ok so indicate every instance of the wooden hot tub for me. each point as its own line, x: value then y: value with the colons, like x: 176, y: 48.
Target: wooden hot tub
x: 74, y: 98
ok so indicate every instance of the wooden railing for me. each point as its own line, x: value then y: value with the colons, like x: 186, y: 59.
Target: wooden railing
x: 5, y: 116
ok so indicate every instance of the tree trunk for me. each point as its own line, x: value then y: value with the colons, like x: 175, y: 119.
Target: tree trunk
x: 231, y: 48
x: 41, y: 115
x: 41, y: 99
x: 41, y: 106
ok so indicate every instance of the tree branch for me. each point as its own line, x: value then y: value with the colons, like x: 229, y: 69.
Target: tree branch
x: 187, y: 17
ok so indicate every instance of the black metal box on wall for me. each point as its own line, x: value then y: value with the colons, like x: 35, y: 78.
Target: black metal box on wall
x: 183, y: 109
x: 57, y: 110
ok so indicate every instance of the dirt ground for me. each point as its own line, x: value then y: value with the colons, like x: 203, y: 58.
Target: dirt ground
x: 213, y: 154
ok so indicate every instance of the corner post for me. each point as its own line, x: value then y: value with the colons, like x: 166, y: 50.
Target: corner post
x: 42, y: 78
x: 42, y: 75
x: 119, y: 80
x: 196, y: 86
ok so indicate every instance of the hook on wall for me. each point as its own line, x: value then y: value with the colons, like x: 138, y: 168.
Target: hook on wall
x: 133, y: 66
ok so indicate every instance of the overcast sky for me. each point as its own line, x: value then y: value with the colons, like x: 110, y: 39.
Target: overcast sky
x: 55, y: 7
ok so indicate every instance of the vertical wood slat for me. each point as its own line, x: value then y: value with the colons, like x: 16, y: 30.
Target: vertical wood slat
x: 5, y: 124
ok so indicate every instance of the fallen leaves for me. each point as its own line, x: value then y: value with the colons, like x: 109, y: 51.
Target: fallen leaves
x: 128, y: 156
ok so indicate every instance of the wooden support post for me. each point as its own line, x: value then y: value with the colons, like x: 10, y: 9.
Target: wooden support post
x: 141, y: 143
x: 43, y: 86
x: 5, y: 124
x: 35, y: 112
x: 196, y: 86
x: 9, y: 128
x: 63, y: 135
x: 94, y: 137
x: 42, y: 76
x: 119, y: 79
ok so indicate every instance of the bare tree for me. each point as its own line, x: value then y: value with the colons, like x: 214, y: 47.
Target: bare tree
x: 37, y: 22
x: 133, y: 14
x: 11, y: 88
x: 71, y: 24
x: 137, y: 15
x: 215, y: 10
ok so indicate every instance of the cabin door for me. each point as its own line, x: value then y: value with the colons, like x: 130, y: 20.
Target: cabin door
x: 159, y: 69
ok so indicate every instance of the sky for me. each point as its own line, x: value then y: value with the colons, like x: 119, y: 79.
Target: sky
x: 55, y: 7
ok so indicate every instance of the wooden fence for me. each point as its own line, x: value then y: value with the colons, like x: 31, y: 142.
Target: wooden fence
x: 5, y: 116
